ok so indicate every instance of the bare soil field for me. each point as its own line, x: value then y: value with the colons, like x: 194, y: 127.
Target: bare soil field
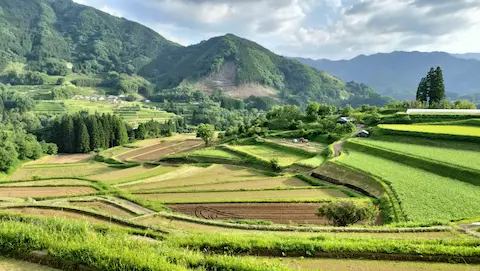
x: 197, y: 175
x: 112, y: 177
x: 141, y: 151
x: 256, y: 184
x: 57, y: 214
x: 281, y: 213
x: 15, y: 265
x: 184, y: 146
x: 62, y: 159
x: 104, y: 207
x: 27, y: 173
x: 155, y: 141
x: 47, y: 183
x: 240, y: 196
x: 370, y: 265
x: 39, y: 192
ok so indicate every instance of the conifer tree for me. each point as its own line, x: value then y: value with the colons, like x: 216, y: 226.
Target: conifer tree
x: 437, y: 93
x: 68, y: 134
x: 83, y: 141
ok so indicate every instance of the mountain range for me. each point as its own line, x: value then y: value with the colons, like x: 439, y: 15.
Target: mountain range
x: 36, y: 31
x: 397, y: 74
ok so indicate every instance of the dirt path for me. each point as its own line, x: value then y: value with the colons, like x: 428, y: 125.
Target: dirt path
x: 339, y: 146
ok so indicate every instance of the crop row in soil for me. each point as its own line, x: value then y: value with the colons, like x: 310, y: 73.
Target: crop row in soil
x: 74, y: 182
x: 142, y: 151
x: 104, y: 207
x: 282, y: 213
x: 172, y: 149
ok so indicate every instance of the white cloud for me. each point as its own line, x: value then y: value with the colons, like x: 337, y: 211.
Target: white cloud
x: 313, y: 28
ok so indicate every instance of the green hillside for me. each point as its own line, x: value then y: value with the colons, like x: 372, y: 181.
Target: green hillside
x: 39, y: 30
x: 293, y: 81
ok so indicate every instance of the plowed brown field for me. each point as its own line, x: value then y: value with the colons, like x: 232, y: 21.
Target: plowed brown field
x: 142, y: 151
x: 172, y: 149
x: 38, y: 192
x: 282, y: 213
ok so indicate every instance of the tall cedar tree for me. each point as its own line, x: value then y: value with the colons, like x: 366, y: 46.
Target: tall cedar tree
x: 83, y: 139
x: 67, y: 135
x: 431, y: 88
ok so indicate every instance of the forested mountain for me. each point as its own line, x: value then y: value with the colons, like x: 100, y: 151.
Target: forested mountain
x: 243, y: 68
x: 398, y: 74
x: 94, y: 41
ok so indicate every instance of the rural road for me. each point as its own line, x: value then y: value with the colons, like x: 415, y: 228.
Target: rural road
x: 339, y: 146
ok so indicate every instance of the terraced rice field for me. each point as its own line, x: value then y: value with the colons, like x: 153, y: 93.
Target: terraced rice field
x: 59, y: 171
x: 40, y: 192
x: 247, y: 196
x: 62, y: 159
x: 155, y: 141
x: 256, y: 184
x: 132, y: 174
x: 268, y: 153
x: 190, y: 175
x: 115, y: 151
x: 281, y: 213
x: 141, y: 151
x: 310, y: 146
x: 215, y: 153
x: 173, y: 148
x: 15, y: 265
x: 424, y: 196
x: 104, y: 207
x: 461, y: 154
x: 57, y: 213
x: 348, y: 176
x: 62, y: 182
x: 437, y: 129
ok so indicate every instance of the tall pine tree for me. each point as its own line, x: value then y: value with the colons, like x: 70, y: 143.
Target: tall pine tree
x: 438, y: 87
x: 422, y: 91
x: 83, y: 139
x: 67, y: 135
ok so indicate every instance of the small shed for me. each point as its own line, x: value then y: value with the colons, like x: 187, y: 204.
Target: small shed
x: 363, y: 133
x: 343, y: 120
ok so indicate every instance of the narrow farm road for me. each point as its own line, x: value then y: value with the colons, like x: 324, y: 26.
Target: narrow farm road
x: 339, y: 146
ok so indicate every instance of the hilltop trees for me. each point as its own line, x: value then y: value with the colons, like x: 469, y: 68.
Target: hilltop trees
x: 206, y: 132
x: 431, y: 89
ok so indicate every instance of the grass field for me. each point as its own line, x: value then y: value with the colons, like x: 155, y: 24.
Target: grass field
x: 61, y: 159
x: 423, y: 195
x: 310, y: 146
x: 247, y: 196
x: 15, y: 265
x: 313, y: 162
x: 256, y: 184
x: 215, y: 153
x: 437, y: 129
x: 70, y: 170
x: 462, y: 154
x: 197, y: 175
x: 267, y: 153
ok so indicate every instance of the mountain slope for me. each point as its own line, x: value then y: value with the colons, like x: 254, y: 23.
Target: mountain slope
x: 397, y: 74
x: 468, y: 56
x: 37, y: 30
x: 235, y: 64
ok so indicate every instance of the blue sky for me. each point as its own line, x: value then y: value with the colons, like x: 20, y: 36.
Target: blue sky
x: 333, y: 29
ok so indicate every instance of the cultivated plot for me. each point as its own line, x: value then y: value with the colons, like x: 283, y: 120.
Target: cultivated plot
x: 189, y: 175
x: 62, y: 159
x: 247, y: 196
x: 40, y: 192
x: 436, y: 129
x: 285, y: 158
x: 424, y: 196
x: 256, y: 184
x: 173, y: 148
x: 103, y: 207
x: 462, y: 154
x: 61, y: 182
x: 281, y: 213
x: 59, y: 171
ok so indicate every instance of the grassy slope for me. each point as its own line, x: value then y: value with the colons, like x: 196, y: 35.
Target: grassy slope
x: 423, y: 195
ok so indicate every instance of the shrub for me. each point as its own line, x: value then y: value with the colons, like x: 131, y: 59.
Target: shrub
x: 344, y: 213
x: 274, y: 164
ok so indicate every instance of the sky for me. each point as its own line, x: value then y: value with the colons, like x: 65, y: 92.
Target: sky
x: 332, y: 29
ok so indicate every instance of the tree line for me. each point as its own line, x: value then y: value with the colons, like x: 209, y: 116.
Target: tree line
x: 83, y: 132
x: 431, y: 89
